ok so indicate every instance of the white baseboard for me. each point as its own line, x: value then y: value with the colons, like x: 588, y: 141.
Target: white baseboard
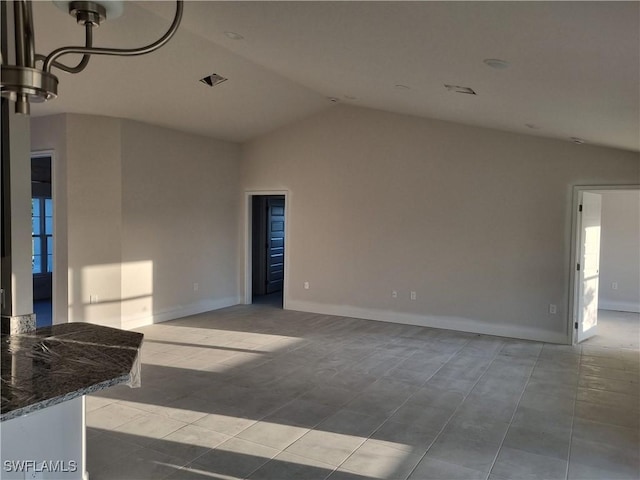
x: 619, y: 306
x: 128, y: 323
x: 433, y: 321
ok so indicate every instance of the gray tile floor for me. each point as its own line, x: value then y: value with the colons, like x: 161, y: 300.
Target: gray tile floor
x: 260, y: 393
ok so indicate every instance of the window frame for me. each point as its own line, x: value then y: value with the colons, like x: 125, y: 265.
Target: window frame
x: 42, y: 237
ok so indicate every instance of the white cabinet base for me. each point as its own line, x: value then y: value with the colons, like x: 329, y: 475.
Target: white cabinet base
x: 46, y: 444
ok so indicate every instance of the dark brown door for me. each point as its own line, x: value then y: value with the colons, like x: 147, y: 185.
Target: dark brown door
x: 275, y: 244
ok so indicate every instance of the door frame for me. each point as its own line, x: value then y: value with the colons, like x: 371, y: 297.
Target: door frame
x: 54, y: 197
x: 576, y: 226
x: 248, y: 231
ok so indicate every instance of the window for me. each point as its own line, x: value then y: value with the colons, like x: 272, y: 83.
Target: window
x: 41, y: 235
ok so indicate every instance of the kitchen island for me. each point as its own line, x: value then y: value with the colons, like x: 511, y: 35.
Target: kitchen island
x: 44, y: 377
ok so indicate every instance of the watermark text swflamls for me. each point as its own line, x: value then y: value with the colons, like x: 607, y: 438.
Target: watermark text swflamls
x: 52, y: 466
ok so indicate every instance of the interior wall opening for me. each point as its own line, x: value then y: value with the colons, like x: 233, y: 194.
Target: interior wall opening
x: 42, y: 238
x: 606, y: 283
x: 267, y: 249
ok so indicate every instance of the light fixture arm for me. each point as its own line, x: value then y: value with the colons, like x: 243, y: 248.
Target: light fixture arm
x: 85, y: 58
x: 23, y: 82
x: 23, y: 23
x: 124, y: 52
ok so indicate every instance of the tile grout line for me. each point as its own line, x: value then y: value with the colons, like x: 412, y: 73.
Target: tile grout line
x: 401, y: 405
x: 514, y: 411
x: 435, y: 439
x: 381, y: 377
x: 573, y: 415
x: 313, y: 428
x: 341, y: 406
x: 309, y: 429
x: 255, y: 422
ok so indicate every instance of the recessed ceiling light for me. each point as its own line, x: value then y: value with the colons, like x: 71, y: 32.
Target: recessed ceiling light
x: 402, y: 87
x: 576, y: 140
x: 496, y: 63
x: 234, y: 36
x: 213, y: 79
x: 459, y: 89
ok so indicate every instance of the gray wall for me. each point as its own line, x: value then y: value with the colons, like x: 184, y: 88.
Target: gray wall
x: 145, y: 213
x: 94, y: 218
x: 475, y: 221
x: 179, y: 218
x: 620, y: 251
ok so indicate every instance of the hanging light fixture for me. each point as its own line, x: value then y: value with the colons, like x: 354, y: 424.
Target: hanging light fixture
x: 25, y: 82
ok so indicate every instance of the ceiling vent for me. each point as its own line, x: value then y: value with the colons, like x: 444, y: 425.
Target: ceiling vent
x: 459, y: 89
x: 213, y: 79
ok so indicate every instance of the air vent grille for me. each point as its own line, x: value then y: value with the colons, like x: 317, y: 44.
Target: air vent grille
x: 213, y: 79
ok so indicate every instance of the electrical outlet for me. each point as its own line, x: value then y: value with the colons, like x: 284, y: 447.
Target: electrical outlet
x: 614, y: 285
x: 553, y: 309
x: 413, y: 295
x: 394, y: 294
x: 196, y: 287
x: 306, y: 285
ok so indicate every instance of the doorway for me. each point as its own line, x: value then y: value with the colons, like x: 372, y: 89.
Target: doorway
x: 605, y: 263
x: 268, y: 243
x: 42, y: 261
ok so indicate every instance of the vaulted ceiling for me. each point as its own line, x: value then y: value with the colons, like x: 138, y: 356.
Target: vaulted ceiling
x: 574, y: 67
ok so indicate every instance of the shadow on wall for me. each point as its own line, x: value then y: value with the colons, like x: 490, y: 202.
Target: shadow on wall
x: 112, y: 294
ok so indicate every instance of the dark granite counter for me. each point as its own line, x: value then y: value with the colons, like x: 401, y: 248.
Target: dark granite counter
x: 53, y: 364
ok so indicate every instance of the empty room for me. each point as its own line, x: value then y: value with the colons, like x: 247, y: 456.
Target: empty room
x: 320, y: 240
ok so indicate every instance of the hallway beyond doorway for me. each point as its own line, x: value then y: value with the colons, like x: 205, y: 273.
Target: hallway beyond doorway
x: 617, y: 330
x: 270, y: 300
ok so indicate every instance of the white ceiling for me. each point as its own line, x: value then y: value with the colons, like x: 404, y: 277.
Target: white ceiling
x: 575, y: 66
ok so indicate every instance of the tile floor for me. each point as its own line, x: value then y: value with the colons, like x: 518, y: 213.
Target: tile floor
x: 260, y: 393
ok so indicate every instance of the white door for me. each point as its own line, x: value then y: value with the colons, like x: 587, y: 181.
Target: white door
x: 589, y: 265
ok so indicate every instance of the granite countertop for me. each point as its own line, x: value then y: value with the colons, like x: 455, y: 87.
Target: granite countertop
x: 53, y: 364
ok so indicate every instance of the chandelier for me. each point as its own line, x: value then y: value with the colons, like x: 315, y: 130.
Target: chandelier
x: 25, y: 82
